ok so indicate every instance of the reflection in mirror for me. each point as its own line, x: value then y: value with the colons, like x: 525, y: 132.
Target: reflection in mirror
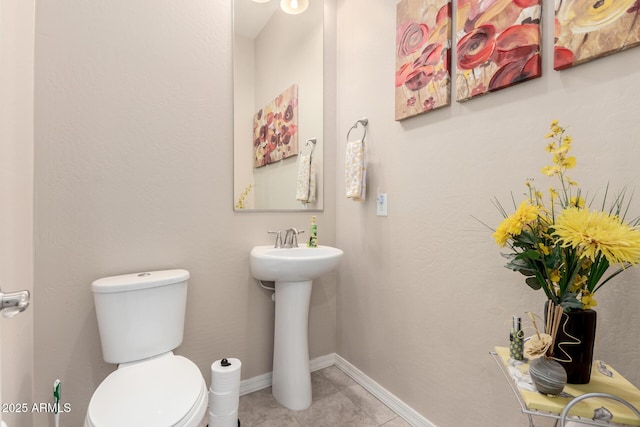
x: 278, y: 106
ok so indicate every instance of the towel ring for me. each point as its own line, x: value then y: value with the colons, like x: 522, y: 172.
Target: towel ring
x: 312, y: 142
x: 364, y: 122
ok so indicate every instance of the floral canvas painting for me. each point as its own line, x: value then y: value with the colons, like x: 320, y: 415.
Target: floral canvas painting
x: 423, y: 56
x: 275, y: 129
x: 497, y: 46
x: 586, y: 30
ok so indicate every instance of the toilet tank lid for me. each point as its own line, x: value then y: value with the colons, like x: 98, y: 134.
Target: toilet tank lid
x: 137, y: 281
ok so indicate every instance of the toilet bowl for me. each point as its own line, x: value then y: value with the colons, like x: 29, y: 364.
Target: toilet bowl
x: 141, y: 320
x: 165, y: 391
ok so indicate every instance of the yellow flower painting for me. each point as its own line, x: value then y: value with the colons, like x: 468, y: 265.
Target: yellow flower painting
x: 590, y: 29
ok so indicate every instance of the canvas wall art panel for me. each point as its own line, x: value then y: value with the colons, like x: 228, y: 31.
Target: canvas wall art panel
x: 263, y: 128
x: 423, y: 56
x: 587, y: 30
x: 497, y: 45
x: 275, y: 129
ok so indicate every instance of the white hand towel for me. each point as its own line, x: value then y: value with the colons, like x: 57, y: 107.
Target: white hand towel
x: 355, y: 171
x: 306, y: 183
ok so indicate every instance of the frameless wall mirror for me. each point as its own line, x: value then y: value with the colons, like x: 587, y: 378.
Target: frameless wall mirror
x: 278, y: 104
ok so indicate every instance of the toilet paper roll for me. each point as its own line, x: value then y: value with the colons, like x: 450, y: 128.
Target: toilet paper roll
x: 225, y: 385
x: 225, y: 377
x: 223, y: 403
x: 229, y: 420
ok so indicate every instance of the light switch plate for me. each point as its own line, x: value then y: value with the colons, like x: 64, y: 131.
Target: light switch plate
x: 381, y: 203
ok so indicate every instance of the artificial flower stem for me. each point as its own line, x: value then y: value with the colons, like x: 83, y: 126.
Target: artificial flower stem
x: 556, y: 317
x: 535, y: 326
x: 544, y: 286
x: 620, y: 270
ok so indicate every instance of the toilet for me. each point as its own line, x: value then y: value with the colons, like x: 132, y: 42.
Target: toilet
x: 141, y: 321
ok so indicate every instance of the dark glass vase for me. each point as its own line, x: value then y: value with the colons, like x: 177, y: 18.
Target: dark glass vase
x: 573, y: 346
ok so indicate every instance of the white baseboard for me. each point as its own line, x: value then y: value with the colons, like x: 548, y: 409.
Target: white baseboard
x: 398, y: 406
x: 385, y: 396
x: 322, y: 362
x: 254, y: 384
x: 263, y: 381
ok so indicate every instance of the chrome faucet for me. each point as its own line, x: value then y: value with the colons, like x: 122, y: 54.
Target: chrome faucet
x: 13, y: 303
x: 290, y: 239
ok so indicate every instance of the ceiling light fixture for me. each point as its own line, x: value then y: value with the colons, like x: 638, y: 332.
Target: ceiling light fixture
x: 294, y: 7
x: 261, y: 1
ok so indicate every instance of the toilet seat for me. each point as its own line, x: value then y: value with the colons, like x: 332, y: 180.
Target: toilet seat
x: 168, y: 391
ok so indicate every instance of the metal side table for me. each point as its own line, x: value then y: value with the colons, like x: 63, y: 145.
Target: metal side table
x: 608, y: 400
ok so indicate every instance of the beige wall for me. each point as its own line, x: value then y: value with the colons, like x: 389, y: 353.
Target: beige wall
x: 16, y: 198
x: 133, y: 171
x: 422, y: 295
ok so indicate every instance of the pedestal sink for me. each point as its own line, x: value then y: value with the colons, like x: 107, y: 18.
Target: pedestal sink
x: 292, y: 270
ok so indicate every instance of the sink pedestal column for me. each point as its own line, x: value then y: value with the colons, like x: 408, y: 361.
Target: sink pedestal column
x: 291, y: 382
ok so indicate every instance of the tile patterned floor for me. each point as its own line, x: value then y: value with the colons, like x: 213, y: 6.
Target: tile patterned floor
x: 337, y: 401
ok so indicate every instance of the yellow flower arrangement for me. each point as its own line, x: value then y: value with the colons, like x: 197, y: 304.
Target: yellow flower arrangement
x: 559, y: 243
x: 240, y: 204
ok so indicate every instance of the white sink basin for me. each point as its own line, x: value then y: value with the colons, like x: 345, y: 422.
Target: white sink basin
x: 293, y: 271
x: 293, y: 264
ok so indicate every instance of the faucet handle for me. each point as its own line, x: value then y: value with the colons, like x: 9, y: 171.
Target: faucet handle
x: 278, y: 234
x: 291, y: 242
x: 295, y: 237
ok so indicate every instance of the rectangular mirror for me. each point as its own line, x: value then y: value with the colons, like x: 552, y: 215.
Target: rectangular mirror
x: 278, y: 105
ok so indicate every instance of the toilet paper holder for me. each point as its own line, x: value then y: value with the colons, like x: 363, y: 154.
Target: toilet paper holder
x: 224, y: 393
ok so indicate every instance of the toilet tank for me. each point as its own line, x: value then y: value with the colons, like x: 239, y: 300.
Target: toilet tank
x: 140, y: 315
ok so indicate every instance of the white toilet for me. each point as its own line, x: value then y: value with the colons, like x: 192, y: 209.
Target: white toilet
x: 141, y: 320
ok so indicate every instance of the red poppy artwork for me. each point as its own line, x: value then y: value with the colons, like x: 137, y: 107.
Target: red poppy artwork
x: 423, y: 56
x: 589, y: 29
x: 275, y: 129
x: 497, y: 46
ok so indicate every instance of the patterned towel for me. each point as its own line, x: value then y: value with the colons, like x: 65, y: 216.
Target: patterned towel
x: 306, y: 183
x: 355, y: 177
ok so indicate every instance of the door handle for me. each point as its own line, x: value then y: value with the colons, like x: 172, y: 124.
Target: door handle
x: 12, y: 303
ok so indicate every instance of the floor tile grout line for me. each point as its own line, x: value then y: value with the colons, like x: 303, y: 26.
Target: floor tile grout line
x: 356, y: 403
x: 340, y: 386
